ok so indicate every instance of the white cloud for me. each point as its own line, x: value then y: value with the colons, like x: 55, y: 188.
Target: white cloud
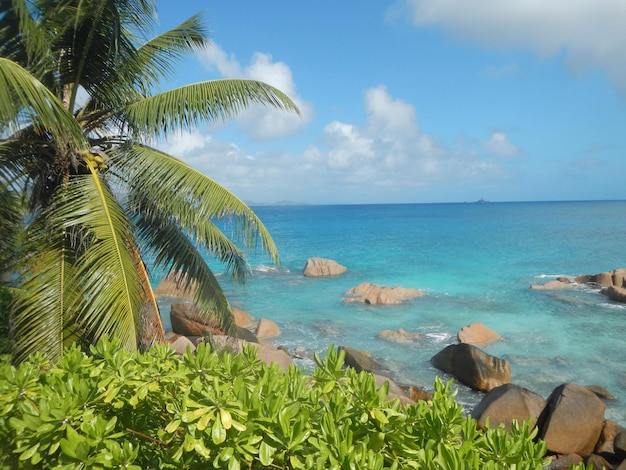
x: 591, y: 33
x: 260, y: 122
x: 388, y: 159
x: 500, y: 145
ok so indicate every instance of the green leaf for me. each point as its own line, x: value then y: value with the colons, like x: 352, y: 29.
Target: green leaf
x: 218, y: 433
x: 266, y: 454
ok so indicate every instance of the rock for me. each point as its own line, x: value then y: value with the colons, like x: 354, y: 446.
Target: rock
x: 585, y: 279
x: 175, y: 284
x: 605, y: 444
x: 399, y: 336
x: 245, y: 334
x: 243, y: 319
x: 185, y: 321
x: 601, y: 392
x: 597, y: 462
x: 506, y: 403
x: 381, y: 295
x: 572, y: 420
x: 619, y: 277
x: 617, y: 294
x: 395, y: 391
x: 360, y: 360
x: 317, y: 267
x: 473, y: 367
x: 551, y: 285
x: 564, y: 462
x: 180, y: 344
x: 619, y: 445
x: 416, y: 393
x: 604, y: 279
x: 266, y: 329
x: 272, y: 355
x: 477, y: 333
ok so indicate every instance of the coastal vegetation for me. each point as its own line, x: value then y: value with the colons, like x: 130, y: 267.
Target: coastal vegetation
x: 80, y: 111
x: 112, y: 408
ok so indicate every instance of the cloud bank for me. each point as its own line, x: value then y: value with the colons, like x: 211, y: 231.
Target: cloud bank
x: 389, y: 159
x: 591, y: 34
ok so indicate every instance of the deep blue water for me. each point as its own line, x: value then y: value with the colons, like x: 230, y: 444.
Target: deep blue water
x: 476, y: 262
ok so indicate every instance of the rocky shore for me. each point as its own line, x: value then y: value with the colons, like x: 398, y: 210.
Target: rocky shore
x: 570, y: 420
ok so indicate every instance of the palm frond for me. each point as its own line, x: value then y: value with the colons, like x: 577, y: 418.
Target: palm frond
x: 44, y: 296
x: 209, y: 101
x: 22, y: 40
x: 173, y: 251
x: 111, y: 293
x: 190, y: 197
x: 24, y: 100
x: 158, y: 57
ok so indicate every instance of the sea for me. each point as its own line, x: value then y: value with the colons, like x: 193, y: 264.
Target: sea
x: 476, y: 262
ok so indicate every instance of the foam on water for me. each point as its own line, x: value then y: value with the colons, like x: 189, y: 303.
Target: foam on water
x: 476, y: 262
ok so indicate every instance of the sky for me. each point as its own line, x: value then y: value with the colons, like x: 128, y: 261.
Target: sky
x: 414, y: 101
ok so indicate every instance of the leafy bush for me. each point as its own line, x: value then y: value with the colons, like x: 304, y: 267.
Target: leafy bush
x: 112, y: 408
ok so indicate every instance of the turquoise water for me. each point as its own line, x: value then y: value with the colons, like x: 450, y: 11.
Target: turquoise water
x: 476, y: 262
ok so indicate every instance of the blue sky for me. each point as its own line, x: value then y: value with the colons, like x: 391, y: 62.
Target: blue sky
x: 415, y: 100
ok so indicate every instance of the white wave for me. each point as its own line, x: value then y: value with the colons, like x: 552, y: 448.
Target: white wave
x: 269, y: 269
x: 439, y: 337
x: 614, y: 306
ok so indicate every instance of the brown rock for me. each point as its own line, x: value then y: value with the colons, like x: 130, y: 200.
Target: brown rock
x: 399, y: 336
x: 269, y: 354
x: 606, y: 441
x: 506, y: 403
x: 604, y: 279
x: 551, y: 285
x: 267, y: 329
x: 185, y: 321
x: 317, y: 267
x: 564, y: 462
x: 395, y: 391
x: 473, y: 367
x: 245, y: 334
x: 416, y: 393
x: 242, y: 319
x: 585, y: 279
x: 381, y: 295
x: 619, y: 445
x: 619, y: 277
x: 617, y: 294
x: 180, y: 344
x: 477, y: 333
x: 597, y: 462
x: 572, y: 420
x: 601, y: 392
x: 360, y: 360
x: 176, y: 284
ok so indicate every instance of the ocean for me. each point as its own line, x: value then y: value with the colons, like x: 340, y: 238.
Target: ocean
x: 476, y: 262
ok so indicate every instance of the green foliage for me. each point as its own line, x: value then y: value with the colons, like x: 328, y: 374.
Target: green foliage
x: 113, y: 408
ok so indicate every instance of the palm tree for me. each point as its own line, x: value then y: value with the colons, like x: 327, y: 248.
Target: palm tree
x: 79, y: 110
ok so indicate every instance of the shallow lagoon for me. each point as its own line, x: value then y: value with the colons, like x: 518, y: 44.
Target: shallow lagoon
x: 476, y: 262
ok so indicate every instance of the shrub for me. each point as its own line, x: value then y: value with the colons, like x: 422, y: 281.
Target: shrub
x: 112, y: 408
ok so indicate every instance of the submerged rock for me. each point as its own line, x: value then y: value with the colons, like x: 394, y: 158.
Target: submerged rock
x: 373, y: 294
x: 399, y: 336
